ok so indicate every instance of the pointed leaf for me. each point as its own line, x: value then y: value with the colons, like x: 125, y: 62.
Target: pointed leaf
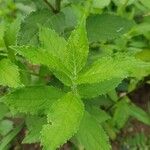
x: 10, y: 35
x: 34, y: 126
x: 64, y: 119
x: 9, y: 74
x: 97, y: 113
x: 121, y: 114
x: 106, y: 68
x: 139, y: 114
x: 64, y: 59
x: 56, y: 51
x: 29, y: 28
x: 97, y: 89
x: 46, y: 57
x: 32, y: 99
x: 77, y: 49
x: 91, y: 135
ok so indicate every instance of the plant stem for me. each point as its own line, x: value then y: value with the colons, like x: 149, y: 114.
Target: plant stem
x: 121, y: 9
x: 57, y: 6
x: 50, y: 6
x: 11, y: 55
x: 9, y: 137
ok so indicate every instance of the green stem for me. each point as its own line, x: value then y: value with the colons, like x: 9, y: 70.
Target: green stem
x: 88, y: 7
x: 57, y: 6
x: 121, y: 9
x: 9, y: 137
x: 11, y: 55
x: 74, y: 88
x: 49, y: 5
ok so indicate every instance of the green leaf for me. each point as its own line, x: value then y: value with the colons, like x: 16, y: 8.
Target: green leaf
x: 9, y: 137
x: 91, y: 135
x: 146, y: 3
x: 29, y: 28
x: 63, y: 121
x: 52, y: 42
x: 77, y: 49
x: 48, y: 57
x: 65, y: 59
x: 140, y: 29
x: 123, y: 2
x: 107, y: 27
x: 5, y: 127
x: 97, y: 89
x: 97, y: 113
x: 2, y: 31
x: 100, y: 3
x: 3, y: 110
x: 34, y: 126
x: 72, y: 15
x: 32, y: 99
x: 144, y: 55
x: 121, y: 114
x: 139, y: 114
x: 54, y: 54
x: 110, y: 130
x: 106, y: 68
x: 113, y: 95
x: 11, y: 33
x: 70, y: 56
x: 9, y: 74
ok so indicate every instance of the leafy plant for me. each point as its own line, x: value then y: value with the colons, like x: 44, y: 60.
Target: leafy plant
x: 71, y: 105
x: 137, y: 141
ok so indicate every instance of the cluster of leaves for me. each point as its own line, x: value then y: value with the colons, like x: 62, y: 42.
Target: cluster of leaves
x: 137, y: 141
x: 63, y: 69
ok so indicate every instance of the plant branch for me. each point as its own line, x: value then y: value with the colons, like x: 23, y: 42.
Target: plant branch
x: 57, y: 6
x: 50, y: 6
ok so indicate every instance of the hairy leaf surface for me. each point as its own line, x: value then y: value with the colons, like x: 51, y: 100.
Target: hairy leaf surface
x: 46, y: 57
x: 64, y: 58
x: 63, y: 121
x: 108, y: 67
x: 32, y: 99
x: 96, y: 89
x: 29, y: 28
x: 77, y: 49
x: 10, y: 35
